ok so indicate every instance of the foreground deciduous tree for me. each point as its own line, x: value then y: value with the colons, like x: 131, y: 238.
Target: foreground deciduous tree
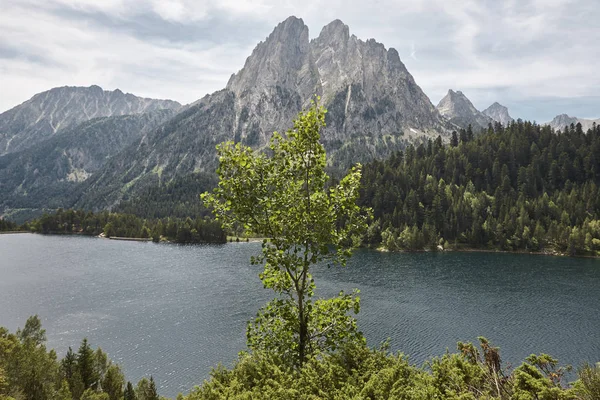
x: 281, y: 194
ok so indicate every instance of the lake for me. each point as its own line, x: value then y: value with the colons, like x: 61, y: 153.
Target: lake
x: 174, y: 311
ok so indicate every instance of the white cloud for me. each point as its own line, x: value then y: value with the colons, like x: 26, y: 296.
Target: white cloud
x: 511, y: 48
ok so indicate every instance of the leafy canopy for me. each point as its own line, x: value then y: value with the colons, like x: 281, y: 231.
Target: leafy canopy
x: 282, y: 194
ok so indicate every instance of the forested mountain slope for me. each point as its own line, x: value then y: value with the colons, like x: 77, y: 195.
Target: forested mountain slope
x: 46, y: 174
x: 525, y: 187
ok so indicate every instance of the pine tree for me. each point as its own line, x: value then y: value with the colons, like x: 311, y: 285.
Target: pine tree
x: 85, y: 364
x: 129, y: 393
x: 152, y: 394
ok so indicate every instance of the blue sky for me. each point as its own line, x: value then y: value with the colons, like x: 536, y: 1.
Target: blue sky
x: 537, y: 57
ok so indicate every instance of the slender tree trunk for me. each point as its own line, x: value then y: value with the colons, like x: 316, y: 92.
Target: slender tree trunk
x: 302, y: 337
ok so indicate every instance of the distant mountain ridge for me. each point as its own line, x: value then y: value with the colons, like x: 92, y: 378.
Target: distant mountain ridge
x: 89, y: 148
x: 560, y: 121
x: 48, y: 112
x: 459, y: 110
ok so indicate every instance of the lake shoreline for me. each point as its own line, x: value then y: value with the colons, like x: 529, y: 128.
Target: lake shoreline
x: 379, y: 249
x: 473, y: 250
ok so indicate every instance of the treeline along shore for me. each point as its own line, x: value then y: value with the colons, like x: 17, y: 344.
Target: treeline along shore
x: 124, y: 227
x: 521, y: 188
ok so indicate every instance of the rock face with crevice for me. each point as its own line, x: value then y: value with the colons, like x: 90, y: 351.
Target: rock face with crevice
x: 47, y: 113
x: 459, y: 110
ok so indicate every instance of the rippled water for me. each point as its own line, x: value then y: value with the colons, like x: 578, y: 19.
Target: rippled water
x: 176, y: 311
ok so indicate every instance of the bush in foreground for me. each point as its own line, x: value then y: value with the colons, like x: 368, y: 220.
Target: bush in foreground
x: 358, y: 372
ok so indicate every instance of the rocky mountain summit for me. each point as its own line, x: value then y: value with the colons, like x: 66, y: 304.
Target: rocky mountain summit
x: 365, y: 87
x: 459, y: 110
x: 374, y: 108
x: 560, y: 121
x: 48, y: 112
x: 498, y: 113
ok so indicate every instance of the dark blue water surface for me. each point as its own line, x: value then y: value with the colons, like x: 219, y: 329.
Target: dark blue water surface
x: 175, y: 311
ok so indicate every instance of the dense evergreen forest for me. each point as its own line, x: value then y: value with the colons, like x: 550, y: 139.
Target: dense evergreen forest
x: 178, y: 230
x: 178, y: 198
x: 519, y: 188
x: 6, y: 225
x: 29, y: 371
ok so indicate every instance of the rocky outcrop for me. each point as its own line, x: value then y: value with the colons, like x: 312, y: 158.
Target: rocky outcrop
x: 367, y: 90
x: 498, y: 113
x: 49, y: 112
x: 459, y: 110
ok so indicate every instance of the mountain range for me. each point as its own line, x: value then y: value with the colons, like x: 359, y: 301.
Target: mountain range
x: 46, y: 113
x: 561, y: 121
x: 91, y: 148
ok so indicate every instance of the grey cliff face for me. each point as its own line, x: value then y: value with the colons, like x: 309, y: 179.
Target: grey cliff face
x: 498, y: 113
x: 374, y: 105
x: 277, y: 81
x: 47, y: 113
x: 459, y: 110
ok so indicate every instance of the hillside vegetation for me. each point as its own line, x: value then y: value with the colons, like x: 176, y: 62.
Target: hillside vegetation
x: 520, y: 188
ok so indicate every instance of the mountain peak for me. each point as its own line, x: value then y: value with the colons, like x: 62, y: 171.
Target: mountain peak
x: 46, y: 113
x: 457, y: 108
x: 276, y: 61
x: 290, y: 28
x: 336, y: 31
x: 498, y: 113
x: 562, y: 120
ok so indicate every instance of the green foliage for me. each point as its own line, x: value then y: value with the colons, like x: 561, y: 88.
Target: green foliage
x: 90, y: 394
x: 281, y: 194
x: 355, y: 371
x: 29, y: 372
x: 199, y: 230
x: 176, y: 199
x: 146, y: 390
x: 129, y: 392
x: 64, y: 393
x: 520, y: 188
x: 588, y: 385
x: 6, y: 225
x: 113, y: 382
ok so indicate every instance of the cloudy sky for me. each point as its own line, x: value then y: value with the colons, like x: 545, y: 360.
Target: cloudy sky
x: 538, y: 57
